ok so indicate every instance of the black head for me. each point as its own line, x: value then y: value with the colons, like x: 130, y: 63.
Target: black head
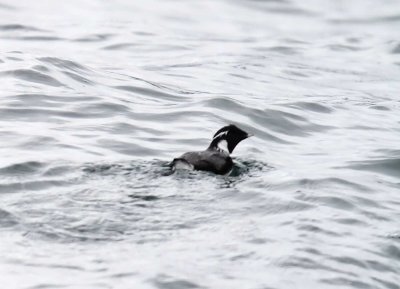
x: 231, y: 134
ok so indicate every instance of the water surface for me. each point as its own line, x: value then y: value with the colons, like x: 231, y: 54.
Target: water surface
x: 98, y: 96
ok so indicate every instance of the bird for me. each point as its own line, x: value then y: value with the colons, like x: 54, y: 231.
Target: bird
x: 216, y: 158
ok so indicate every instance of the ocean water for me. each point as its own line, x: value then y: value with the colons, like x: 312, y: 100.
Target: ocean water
x: 98, y: 96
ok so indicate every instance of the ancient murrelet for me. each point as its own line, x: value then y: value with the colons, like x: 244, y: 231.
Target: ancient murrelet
x: 216, y: 158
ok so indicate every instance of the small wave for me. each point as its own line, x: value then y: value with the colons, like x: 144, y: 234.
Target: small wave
x: 351, y: 282
x: 16, y: 27
x: 278, y: 121
x: 79, y: 78
x: 6, y: 7
x: 285, y: 50
x: 343, y: 47
x: 157, y: 94
x: 26, y: 98
x: 36, y: 185
x: 380, y: 107
x: 41, y: 68
x: 151, y: 169
x: 40, y: 38
x: 369, y: 20
x: 95, y: 37
x: 396, y: 50
x: 310, y: 106
x: 33, y: 76
x: 7, y: 219
x: 63, y: 63
x: 120, y: 46
x: 126, y: 148
x: 168, y: 282
x: 20, y: 169
x: 42, y: 114
x: 389, y: 166
x: 248, y: 167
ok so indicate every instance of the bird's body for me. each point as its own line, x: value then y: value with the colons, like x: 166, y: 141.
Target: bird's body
x: 208, y: 160
x: 216, y: 158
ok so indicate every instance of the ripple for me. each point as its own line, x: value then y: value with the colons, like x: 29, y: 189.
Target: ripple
x: 6, y: 7
x: 248, y: 167
x: 386, y: 284
x: 351, y: 221
x: 307, y: 263
x: 15, y: 27
x: 126, y: 148
x: 276, y: 120
x: 150, y: 92
x: 95, y: 37
x: 65, y: 64
x: 396, y: 50
x: 105, y: 108
x: 168, y: 282
x: 349, y: 261
x: 21, y: 169
x: 41, y: 68
x: 40, y: 115
x: 40, y: 38
x: 78, y: 78
x: 38, y: 185
x: 285, y: 50
x: 332, y: 183
x: 353, y: 283
x: 393, y: 251
x: 390, y: 167
x: 342, y: 47
x: 317, y: 230
x: 370, y: 20
x: 91, y: 118
x: 311, y: 106
x: 120, y: 46
x: 14, y: 58
x: 379, y: 266
x: 31, y: 98
x: 47, y: 286
x: 7, y: 219
x: 33, y: 76
x: 379, y: 107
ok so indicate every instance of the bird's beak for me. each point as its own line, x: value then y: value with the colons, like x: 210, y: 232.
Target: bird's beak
x: 249, y: 135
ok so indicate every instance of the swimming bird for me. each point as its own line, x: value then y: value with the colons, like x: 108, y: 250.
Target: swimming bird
x: 216, y: 158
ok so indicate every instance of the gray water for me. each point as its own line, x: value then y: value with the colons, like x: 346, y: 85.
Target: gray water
x: 98, y: 96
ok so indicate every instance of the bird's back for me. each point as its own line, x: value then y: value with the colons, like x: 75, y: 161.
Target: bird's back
x: 208, y: 160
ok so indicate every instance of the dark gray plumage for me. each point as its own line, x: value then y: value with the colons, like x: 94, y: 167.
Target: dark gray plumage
x: 216, y: 157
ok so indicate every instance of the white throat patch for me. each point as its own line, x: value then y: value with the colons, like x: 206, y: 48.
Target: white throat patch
x: 223, y: 146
